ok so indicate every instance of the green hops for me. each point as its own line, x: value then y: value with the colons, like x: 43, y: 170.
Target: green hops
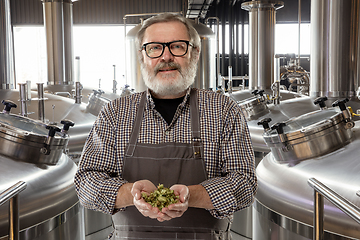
x: 160, y: 198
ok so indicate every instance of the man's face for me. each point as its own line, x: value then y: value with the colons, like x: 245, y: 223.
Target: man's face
x: 168, y: 76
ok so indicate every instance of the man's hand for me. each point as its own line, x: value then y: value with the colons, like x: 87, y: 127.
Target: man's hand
x: 177, y: 209
x: 144, y: 208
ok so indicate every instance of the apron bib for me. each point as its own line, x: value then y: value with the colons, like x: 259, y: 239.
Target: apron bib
x: 168, y: 164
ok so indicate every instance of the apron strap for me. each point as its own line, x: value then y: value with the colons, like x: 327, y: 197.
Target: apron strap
x: 195, y: 123
x: 136, y: 127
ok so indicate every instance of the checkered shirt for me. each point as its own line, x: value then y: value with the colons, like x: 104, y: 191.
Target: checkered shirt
x: 228, y: 153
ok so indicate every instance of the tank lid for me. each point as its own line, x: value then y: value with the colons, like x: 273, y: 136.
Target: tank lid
x: 30, y: 140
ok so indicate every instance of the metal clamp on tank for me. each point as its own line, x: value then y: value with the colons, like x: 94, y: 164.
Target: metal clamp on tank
x: 265, y: 123
x: 52, y: 131
x: 345, y: 111
x: 279, y: 127
x: 261, y: 96
x: 67, y: 124
x: 8, y: 105
x: 321, y: 102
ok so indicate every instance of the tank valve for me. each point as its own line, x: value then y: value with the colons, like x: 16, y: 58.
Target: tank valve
x: 265, y: 123
x: 260, y: 93
x: 67, y: 124
x: 279, y: 127
x: 345, y: 111
x: 8, y: 105
x: 321, y: 102
x: 52, y: 130
x: 98, y: 92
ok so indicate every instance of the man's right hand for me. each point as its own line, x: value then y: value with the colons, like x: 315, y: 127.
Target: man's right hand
x: 144, y: 208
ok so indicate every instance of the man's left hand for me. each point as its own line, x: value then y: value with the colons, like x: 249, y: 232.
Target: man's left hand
x: 177, y: 209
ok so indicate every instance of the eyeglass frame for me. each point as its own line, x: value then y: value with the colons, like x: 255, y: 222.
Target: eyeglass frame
x: 167, y: 44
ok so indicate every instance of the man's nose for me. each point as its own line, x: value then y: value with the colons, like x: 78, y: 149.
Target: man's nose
x: 167, y: 56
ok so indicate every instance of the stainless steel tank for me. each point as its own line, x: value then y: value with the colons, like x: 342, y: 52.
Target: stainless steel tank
x: 323, y: 144
x: 206, y: 74
x: 56, y: 108
x: 32, y: 152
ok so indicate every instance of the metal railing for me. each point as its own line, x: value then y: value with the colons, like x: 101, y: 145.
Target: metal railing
x: 11, y: 195
x: 321, y: 191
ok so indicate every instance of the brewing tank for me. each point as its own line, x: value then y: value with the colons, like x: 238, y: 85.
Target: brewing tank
x: 32, y: 152
x: 206, y: 72
x: 323, y: 144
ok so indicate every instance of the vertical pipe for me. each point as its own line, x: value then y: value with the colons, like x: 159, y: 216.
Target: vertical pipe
x: 341, y: 81
x: 53, y: 21
x: 253, y: 49
x: 242, y: 72
x: 231, y: 27
x: 7, y: 69
x: 261, y: 42
x: 266, y: 48
x: 23, y: 103
x: 319, y: 62
x: 236, y: 44
x: 14, y: 218
x: 41, y: 110
x: 78, y: 96
x: 318, y: 231
x: 68, y: 43
x: 223, y: 25
x: 299, y: 25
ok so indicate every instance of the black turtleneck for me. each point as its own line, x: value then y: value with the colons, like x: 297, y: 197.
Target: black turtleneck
x: 167, y: 107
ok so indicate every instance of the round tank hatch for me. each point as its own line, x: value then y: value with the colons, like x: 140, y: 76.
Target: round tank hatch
x: 308, y: 136
x: 29, y: 140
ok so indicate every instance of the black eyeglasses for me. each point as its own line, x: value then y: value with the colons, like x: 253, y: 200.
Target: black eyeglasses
x: 156, y: 49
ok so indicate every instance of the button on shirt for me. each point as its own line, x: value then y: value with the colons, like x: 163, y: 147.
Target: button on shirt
x: 228, y: 153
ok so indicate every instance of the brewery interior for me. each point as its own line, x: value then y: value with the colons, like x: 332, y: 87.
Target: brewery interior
x: 293, y: 67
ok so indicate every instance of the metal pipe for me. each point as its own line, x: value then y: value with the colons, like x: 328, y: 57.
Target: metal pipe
x: 77, y: 69
x: 23, y: 100
x: 53, y: 21
x: 318, y: 231
x: 11, y: 195
x: 299, y: 23
x: 41, y: 110
x: 68, y: 42
x: 218, y: 74
x: 78, y: 89
x: 261, y: 42
x: 230, y: 87
x: 114, y: 81
x: 343, y: 204
x: 7, y: 65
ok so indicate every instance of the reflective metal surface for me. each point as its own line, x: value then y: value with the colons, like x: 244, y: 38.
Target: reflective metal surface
x: 261, y: 42
x: 283, y: 189
x: 49, y: 194
x: 7, y: 65
x: 308, y: 136
x: 28, y: 140
x: 334, y: 48
x: 56, y: 109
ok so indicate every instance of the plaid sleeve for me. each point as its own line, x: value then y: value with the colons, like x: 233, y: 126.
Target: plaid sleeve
x: 236, y: 186
x: 97, y: 179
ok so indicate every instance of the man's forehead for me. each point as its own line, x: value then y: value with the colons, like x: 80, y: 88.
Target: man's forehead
x: 166, y: 31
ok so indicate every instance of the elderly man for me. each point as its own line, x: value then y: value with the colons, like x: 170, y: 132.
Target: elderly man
x: 194, y: 141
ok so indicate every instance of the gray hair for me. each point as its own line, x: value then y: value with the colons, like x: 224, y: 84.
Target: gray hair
x: 169, y: 17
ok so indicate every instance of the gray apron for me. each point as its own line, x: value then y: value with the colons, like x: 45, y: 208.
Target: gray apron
x: 169, y: 164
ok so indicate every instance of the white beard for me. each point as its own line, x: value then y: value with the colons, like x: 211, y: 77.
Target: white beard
x: 169, y: 85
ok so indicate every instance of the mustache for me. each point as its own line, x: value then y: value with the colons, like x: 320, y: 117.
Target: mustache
x: 171, y: 65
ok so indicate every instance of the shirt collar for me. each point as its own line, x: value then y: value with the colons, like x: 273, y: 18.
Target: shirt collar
x: 152, y: 104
